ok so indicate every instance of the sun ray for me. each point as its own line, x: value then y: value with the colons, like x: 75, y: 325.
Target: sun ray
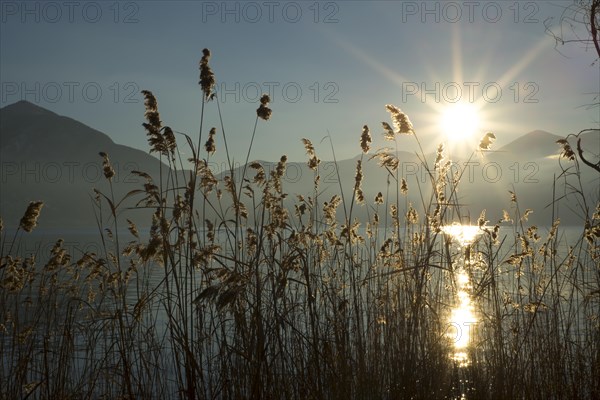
x: 371, y: 61
x: 509, y: 75
x: 457, y: 55
x: 483, y: 119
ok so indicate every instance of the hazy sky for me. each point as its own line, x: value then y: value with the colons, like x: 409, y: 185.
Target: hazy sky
x: 329, y: 66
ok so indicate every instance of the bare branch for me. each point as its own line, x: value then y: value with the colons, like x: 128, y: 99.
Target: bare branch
x: 586, y: 162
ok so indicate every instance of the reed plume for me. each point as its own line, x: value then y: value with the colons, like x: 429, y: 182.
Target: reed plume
x: 263, y: 111
x: 400, y: 120
x: 365, y: 139
x: 207, y: 77
x: 29, y: 219
x: 486, y: 141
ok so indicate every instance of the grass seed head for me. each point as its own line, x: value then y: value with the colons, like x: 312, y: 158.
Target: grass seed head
x: 486, y: 141
x: 29, y: 219
x: 359, y: 176
x: 210, y: 143
x: 313, y: 161
x: 566, y: 150
x: 404, y: 187
x: 388, y: 132
x: 400, y: 120
x: 153, y: 125
x: 107, y: 168
x: 365, y: 139
x: 263, y: 111
x: 207, y: 77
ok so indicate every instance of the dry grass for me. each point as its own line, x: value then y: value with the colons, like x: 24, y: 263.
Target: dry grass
x: 268, y: 297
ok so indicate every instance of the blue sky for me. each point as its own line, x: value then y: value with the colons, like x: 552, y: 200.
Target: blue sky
x: 330, y: 66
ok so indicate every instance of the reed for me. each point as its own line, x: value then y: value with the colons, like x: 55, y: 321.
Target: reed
x: 263, y: 295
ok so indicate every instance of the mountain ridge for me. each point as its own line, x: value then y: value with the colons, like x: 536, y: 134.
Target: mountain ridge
x: 531, y: 139
x: 55, y: 158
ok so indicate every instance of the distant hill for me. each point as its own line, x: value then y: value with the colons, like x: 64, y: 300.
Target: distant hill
x: 45, y: 156
x: 29, y: 132
x: 534, y: 144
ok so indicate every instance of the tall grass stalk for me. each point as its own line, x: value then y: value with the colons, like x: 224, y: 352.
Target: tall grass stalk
x: 261, y: 295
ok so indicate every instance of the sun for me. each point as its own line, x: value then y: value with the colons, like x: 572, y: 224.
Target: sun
x: 460, y: 121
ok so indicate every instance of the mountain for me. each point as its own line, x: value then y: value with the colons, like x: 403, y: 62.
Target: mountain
x: 45, y: 156
x: 534, y: 144
x: 29, y: 132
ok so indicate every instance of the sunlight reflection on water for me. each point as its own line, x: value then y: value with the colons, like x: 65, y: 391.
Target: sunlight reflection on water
x: 463, y: 234
x: 462, y: 316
